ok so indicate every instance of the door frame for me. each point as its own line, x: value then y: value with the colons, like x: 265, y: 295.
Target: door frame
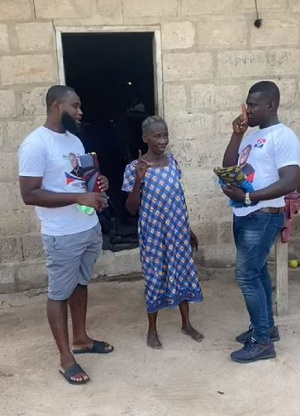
x: 157, y: 53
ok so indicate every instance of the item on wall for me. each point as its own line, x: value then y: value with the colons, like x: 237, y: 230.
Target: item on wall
x: 258, y: 21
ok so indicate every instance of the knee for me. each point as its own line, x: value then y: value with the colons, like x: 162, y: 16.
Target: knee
x: 241, y: 274
x: 241, y: 279
x: 81, y: 286
x: 247, y: 279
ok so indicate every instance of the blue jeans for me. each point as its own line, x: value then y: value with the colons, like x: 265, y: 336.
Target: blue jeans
x: 254, y: 235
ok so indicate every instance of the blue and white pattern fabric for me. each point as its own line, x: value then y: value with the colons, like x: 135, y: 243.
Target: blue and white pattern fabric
x: 164, y: 237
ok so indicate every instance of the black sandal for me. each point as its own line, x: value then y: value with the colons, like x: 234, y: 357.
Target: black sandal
x: 99, y: 347
x: 72, y: 371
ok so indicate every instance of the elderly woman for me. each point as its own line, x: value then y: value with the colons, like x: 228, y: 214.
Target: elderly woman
x: 154, y: 189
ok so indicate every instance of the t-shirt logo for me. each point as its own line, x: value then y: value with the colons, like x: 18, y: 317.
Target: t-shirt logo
x: 260, y: 143
x: 71, y: 178
x: 247, y: 168
x: 76, y: 175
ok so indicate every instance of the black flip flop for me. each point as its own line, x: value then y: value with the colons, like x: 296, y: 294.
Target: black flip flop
x: 74, y: 370
x: 99, y: 347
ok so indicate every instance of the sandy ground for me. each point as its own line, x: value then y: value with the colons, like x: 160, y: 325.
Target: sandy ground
x: 185, y: 378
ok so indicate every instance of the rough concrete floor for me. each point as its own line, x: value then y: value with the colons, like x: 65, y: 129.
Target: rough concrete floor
x: 185, y: 378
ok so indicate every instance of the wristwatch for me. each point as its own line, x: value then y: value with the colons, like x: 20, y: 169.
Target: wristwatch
x: 247, y: 199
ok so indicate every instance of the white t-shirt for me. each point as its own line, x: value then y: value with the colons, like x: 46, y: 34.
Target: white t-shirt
x: 47, y: 154
x: 261, y: 154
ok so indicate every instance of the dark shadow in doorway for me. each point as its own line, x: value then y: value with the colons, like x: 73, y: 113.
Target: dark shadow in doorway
x: 113, y: 75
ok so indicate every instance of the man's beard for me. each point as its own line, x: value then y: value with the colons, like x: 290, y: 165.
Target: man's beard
x: 70, y: 124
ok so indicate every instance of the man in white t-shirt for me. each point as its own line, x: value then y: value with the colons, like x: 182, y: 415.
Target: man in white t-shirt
x: 271, y: 156
x: 72, y: 239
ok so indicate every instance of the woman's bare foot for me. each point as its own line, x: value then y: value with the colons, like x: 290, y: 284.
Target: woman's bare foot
x: 153, y: 341
x: 191, y: 332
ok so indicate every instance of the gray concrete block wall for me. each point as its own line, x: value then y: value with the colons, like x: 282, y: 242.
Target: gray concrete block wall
x: 211, y: 54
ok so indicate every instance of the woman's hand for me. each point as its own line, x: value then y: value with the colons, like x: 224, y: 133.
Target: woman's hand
x: 194, y: 241
x: 142, y: 166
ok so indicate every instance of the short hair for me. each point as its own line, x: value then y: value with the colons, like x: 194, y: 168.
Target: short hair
x: 249, y: 146
x: 151, y: 120
x: 268, y: 89
x: 56, y: 93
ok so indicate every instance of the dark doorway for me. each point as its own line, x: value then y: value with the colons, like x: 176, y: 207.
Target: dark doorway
x: 113, y: 74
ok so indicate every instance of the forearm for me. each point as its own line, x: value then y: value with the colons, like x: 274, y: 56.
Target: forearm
x: 134, y: 198
x: 232, y: 152
x: 276, y: 190
x: 42, y: 198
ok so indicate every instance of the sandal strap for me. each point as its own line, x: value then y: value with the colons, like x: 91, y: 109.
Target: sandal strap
x: 74, y: 370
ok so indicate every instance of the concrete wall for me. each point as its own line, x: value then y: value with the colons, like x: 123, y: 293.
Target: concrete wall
x: 211, y: 54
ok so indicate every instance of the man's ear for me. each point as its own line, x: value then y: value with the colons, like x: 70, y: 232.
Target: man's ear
x: 55, y: 106
x: 272, y: 105
x: 145, y: 138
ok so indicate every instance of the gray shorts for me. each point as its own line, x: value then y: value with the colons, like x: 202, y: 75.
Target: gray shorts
x: 70, y: 260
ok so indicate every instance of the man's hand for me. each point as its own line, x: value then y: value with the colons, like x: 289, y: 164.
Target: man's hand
x: 92, y: 199
x: 240, y: 124
x: 103, y: 183
x: 236, y: 194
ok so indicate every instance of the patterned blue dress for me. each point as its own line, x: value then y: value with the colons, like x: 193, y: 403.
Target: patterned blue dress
x: 164, y: 237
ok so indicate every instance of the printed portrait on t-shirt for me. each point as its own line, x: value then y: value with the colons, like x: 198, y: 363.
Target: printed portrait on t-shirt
x: 77, y: 170
x: 75, y: 176
x: 248, y: 169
